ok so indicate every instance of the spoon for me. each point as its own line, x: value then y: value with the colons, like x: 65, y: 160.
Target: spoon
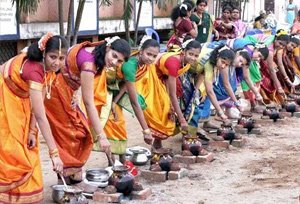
x: 63, y: 179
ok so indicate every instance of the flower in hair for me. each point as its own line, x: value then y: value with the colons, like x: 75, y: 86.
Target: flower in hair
x: 296, y: 36
x: 111, y: 40
x: 144, y: 39
x: 185, y: 43
x: 260, y: 45
x: 43, y: 41
x: 183, y: 6
x: 225, y: 47
x: 281, y: 32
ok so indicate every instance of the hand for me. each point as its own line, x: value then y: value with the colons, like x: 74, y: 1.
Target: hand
x: 57, y: 165
x: 148, y: 139
x: 258, y: 97
x: 281, y: 92
x: 114, y: 112
x: 217, y: 35
x: 104, y: 144
x: 293, y: 89
x: 184, y: 129
x: 194, y: 24
x: 31, y: 142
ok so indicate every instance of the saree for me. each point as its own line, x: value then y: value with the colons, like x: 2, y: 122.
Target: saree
x: 159, y: 110
x: 20, y: 172
x: 69, y: 125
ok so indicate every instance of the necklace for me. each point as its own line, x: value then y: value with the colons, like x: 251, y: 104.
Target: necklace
x: 48, y: 87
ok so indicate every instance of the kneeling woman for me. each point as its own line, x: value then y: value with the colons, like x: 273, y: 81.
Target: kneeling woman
x: 170, y: 66
x: 24, y: 80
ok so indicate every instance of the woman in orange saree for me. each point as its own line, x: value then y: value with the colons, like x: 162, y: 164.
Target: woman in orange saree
x: 23, y: 81
x: 169, y: 67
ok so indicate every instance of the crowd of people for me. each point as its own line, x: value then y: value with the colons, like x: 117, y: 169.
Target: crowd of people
x: 75, y: 96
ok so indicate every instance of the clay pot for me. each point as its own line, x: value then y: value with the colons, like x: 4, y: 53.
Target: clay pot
x: 162, y: 157
x: 122, y: 179
x: 226, y: 131
x: 298, y: 101
x: 247, y: 121
x: 290, y: 105
x: 73, y: 195
x: 192, y: 144
x: 272, y: 112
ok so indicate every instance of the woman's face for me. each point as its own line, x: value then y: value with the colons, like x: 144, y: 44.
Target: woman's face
x: 191, y: 55
x: 222, y: 63
x: 257, y: 56
x: 201, y: 7
x: 239, y: 61
x: 113, y: 58
x: 280, y: 44
x: 148, y: 55
x: 235, y: 14
x: 54, y: 60
x: 290, y: 46
x: 226, y: 14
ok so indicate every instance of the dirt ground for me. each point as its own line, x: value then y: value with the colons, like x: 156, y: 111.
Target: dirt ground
x: 266, y: 170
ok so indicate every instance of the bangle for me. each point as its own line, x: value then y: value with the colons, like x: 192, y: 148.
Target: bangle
x: 237, y: 104
x: 101, y: 136
x: 146, y: 131
x: 286, y: 78
x: 220, y: 113
x: 53, y: 153
x: 33, y: 130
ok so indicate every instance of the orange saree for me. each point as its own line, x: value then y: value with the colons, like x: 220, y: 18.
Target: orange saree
x: 20, y: 172
x: 69, y: 125
x: 158, y: 112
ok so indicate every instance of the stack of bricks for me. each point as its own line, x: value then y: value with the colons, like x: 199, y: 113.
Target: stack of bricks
x: 112, y: 196
x: 162, y: 176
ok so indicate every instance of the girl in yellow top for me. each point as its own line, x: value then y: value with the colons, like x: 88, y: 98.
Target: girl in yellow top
x: 24, y: 82
x: 170, y: 66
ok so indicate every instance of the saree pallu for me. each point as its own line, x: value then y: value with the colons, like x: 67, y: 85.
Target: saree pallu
x: 20, y: 172
x: 103, y: 97
x: 158, y: 112
x: 290, y: 64
x: 268, y: 90
x: 69, y: 127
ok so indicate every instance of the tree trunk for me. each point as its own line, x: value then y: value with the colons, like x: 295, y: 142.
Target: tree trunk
x: 136, y: 32
x: 126, y: 22
x: 60, y: 16
x: 243, y: 16
x: 78, y: 20
x: 70, y: 18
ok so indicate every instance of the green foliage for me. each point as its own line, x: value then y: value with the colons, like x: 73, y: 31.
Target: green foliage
x: 26, y: 6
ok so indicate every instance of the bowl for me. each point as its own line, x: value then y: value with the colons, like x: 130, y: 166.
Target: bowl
x: 57, y: 193
x: 97, y: 175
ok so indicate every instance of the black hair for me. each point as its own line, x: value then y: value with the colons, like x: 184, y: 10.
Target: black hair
x: 226, y: 8
x: 235, y: 8
x: 245, y: 55
x: 224, y: 54
x: 149, y: 43
x: 282, y: 37
x: 177, y: 12
x: 119, y: 45
x: 264, y: 51
x: 35, y: 54
x: 295, y: 39
x: 201, y: 1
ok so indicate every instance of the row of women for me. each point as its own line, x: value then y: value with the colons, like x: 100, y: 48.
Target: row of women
x: 168, y: 92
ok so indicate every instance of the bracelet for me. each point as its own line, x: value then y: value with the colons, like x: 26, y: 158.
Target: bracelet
x: 184, y: 132
x: 220, y: 113
x: 53, y: 153
x: 33, y: 130
x: 146, y: 131
x: 286, y: 78
x: 237, y: 104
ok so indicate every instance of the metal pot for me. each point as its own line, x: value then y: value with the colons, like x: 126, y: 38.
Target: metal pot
x: 74, y: 195
x: 57, y: 193
x: 139, y: 157
x: 97, y: 175
x: 247, y: 121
